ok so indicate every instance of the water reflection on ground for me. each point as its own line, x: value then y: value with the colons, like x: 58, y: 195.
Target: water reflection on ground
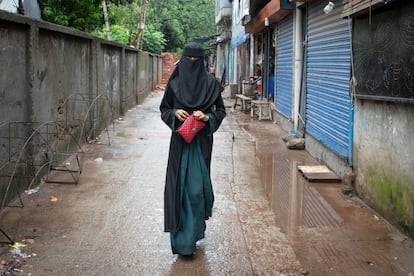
x: 330, y: 232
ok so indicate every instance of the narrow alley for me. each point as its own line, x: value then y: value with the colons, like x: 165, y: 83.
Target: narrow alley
x: 267, y: 219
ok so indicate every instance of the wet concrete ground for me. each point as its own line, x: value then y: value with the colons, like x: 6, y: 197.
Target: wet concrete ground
x: 267, y: 219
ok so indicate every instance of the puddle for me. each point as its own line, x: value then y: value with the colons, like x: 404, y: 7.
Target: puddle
x: 329, y: 232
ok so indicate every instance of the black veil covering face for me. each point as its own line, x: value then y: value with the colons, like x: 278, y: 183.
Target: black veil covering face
x: 191, y: 83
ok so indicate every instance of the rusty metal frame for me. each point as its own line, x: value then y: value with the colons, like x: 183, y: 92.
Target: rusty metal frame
x: 47, y: 137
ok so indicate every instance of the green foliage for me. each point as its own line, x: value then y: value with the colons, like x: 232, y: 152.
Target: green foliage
x: 169, y: 25
x: 121, y: 2
x: 118, y: 33
x: 81, y: 15
x: 126, y: 15
x: 182, y: 20
x: 154, y: 40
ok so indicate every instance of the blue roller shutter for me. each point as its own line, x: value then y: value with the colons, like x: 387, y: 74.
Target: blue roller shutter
x: 328, y: 65
x: 284, y: 55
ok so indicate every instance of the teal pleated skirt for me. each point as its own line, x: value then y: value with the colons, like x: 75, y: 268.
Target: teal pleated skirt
x: 196, y: 200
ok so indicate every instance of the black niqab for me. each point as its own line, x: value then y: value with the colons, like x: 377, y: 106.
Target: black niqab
x: 194, y: 88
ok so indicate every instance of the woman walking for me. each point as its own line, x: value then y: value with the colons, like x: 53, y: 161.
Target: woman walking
x: 188, y: 196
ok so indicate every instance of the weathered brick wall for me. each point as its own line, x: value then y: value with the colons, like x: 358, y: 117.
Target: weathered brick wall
x: 169, y: 61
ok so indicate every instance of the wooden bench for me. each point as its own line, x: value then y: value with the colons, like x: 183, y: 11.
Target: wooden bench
x: 245, y: 102
x: 263, y: 108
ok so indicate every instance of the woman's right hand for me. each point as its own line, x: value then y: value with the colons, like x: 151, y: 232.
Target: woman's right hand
x: 181, y: 114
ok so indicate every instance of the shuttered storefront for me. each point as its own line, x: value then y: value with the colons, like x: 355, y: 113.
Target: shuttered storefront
x: 328, y: 65
x: 284, y: 73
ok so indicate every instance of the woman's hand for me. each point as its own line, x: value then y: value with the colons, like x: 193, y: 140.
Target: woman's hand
x: 181, y: 114
x: 199, y: 115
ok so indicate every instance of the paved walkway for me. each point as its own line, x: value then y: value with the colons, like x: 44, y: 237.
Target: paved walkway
x: 267, y: 220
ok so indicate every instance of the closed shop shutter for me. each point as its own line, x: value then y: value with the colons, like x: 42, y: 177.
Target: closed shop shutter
x: 328, y: 65
x: 284, y: 54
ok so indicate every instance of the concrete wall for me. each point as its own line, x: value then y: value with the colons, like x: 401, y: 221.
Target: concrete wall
x: 384, y: 159
x: 131, y: 79
x: 52, y: 76
x: 61, y: 67
x: 143, y: 71
x: 14, y: 106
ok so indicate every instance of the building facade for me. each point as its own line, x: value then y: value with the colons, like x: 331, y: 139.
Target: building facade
x: 340, y: 74
x: 24, y: 7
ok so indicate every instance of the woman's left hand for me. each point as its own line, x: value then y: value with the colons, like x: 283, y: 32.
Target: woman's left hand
x: 199, y: 115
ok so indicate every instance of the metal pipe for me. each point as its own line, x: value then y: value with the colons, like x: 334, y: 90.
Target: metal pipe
x: 298, y: 65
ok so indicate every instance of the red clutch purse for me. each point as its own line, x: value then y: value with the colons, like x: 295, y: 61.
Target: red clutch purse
x: 189, y: 129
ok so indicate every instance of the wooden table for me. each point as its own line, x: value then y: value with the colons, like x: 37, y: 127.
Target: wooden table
x: 263, y: 107
x: 245, y: 102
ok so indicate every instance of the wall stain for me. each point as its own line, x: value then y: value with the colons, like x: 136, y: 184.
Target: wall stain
x: 41, y: 74
x: 18, y: 104
x: 394, y: 196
